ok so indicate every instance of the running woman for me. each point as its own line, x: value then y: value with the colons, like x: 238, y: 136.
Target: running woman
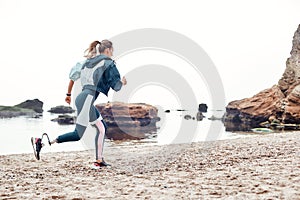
x: 97, y: 74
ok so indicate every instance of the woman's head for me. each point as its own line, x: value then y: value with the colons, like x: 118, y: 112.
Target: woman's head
x: 106, y: 47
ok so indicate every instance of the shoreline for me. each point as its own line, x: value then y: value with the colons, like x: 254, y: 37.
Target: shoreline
x: 128, y: 143
x: 262, y: 166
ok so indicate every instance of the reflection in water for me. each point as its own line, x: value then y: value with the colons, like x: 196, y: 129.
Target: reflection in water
x: 167, y: 128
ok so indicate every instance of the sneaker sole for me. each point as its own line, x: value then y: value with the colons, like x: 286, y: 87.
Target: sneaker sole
x: 100, y: 167
x: 34, y: 150
x: 95, y: 167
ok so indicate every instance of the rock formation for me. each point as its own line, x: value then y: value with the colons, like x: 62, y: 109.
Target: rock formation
x: 61, y: 110
x: 280, y: 102
x: 65, y: 119
x: 202, y: 108
x: 187, y: 117
x: 31, y: 108
x: 34, y: 104
x: 129, y: 121
x: 199, y: 116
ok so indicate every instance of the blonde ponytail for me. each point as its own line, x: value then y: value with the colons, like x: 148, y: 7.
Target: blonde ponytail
x: 92, y: 50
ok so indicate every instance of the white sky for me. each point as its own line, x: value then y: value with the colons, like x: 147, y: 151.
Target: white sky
x: 249, y: 41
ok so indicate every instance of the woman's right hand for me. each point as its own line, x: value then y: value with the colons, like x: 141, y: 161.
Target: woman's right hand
x: 68, y: 99
x: 124, y: 81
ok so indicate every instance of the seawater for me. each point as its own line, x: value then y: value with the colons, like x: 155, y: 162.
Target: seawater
x: 16, y: 133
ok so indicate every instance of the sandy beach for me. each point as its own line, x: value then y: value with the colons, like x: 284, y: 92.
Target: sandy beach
x: 258, y: 167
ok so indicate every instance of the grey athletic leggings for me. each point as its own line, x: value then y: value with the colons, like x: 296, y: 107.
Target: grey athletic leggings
x: 87, y: 113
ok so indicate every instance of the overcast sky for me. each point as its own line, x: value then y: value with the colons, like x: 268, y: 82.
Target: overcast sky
x: 248, y: 41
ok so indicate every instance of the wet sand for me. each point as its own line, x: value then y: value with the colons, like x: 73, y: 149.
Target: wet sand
x: 258, y: 167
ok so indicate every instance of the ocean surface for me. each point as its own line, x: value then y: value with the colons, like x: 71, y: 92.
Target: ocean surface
x: 17, y: 132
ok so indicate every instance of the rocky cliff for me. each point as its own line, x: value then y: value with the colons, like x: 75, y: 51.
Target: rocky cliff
x: 280, y: 102
x: 129, y: 121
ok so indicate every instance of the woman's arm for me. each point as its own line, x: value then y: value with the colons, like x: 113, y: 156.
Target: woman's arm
x: 114, y: 78
x: 74, y: 75
x: 68, y: 97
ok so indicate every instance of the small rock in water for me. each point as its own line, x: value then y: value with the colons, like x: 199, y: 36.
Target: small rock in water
x: 199, y: 116
x: 187, y: 117
x: 202, y: 107
x: 64, y: 119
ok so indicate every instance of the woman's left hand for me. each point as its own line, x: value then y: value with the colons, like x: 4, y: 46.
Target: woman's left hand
x: 68, y: 99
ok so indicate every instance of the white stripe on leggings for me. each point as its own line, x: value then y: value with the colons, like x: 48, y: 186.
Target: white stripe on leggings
x: 101, y: 130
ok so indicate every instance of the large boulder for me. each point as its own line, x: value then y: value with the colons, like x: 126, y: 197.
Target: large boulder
x: 280, y: 102
x: 242, y: 115
x: 129, y: 120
